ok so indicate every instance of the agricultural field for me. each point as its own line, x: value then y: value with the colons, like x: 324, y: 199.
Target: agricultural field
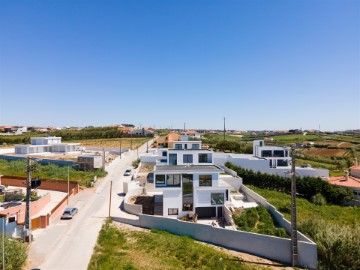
x: 113, y: 142
x: 326, y: 152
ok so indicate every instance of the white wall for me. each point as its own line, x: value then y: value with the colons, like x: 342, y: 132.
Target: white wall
x: 202, y: 197
x: 274, y: 248
x: 262, y: 165
x: 194, y: 153
x: 172, y: 198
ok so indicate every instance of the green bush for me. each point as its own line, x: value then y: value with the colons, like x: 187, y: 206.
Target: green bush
x: 318, y: 199
x: 306, y: 187
x: 258, y: 220
x: 338, y: 247
x: 15, y: 254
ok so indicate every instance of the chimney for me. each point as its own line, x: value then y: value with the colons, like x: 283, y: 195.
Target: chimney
x: 346, y: 176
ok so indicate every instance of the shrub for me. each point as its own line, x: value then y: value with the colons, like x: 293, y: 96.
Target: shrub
x: 306, y: 187
x: 15, y: 254
x: 338, y: 247
x: 318, y: 199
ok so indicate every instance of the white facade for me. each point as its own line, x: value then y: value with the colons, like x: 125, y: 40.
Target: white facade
x: 45, y: 144
x: 188, y: 180
x: 268, y: 159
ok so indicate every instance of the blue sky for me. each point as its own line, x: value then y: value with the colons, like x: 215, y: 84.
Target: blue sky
x: 261, y: 64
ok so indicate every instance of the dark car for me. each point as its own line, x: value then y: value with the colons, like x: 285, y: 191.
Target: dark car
x: 127, y: 172
x: 69, y: 213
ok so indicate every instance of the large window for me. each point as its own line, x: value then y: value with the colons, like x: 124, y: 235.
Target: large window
x: 217, y: 198
x: 195, y: 146
x: 266, y: 153
x: 160, y: 180
x: 173, y: 180
x: 173, y: 211
x: 187, y: 158
x: 187, y: 189
x: 278, y: 153
x: 178, y: 146
x: 205, y: 180
x: 282, y: 162
x: 204, y: 158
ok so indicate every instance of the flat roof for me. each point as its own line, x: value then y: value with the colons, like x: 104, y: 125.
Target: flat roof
x: 200, y: 168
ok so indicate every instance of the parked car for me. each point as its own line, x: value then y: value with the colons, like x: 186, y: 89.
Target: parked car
x: 69, y: 213
x: 127, y: 172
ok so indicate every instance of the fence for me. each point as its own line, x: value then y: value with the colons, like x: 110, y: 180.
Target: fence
x: 270, y: 247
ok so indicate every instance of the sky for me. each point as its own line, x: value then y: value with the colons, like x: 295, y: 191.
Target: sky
x: 261, y: 64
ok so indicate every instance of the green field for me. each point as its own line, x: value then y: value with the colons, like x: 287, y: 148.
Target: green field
x: 18, y: 168
x: 335, y: 229
x: 119, y: 248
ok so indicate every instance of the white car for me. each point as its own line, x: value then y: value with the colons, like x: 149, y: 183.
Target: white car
x: 69, y: 213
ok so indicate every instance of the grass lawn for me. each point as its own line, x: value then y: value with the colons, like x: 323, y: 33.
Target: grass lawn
x: 118, y: 248
x: 340, y: 215
x: 113, y: 143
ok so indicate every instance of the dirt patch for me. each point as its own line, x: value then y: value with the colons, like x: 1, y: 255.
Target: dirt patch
x: 326, y: 152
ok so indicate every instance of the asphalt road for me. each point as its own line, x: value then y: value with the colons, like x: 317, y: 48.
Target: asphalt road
x: 69, y: 244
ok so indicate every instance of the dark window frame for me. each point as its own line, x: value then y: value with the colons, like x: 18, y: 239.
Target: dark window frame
x: 173, y: 211
x: 205, y: 160
x: 186, y: 157
x: 170, y: 180
x: 205, y: 182
x: 217, y: 201
x: 159, y: 182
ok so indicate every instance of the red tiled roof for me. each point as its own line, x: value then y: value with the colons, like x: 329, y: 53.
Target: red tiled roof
x: 340, y: 181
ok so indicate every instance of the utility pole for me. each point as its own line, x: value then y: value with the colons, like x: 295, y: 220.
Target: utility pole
x: 3, y: 241
x: 184, y: 127
x: 103, y: 154
x: 68, y: 180
x: 120, y: 148
x: 110, y: 198
x: 29, y: 169
x: 224, y: 129
x: 294, y: 240
x: 131, y: 141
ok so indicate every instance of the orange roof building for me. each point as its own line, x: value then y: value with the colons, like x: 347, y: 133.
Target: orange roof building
x: 168, y: 140
x: 348, y: 181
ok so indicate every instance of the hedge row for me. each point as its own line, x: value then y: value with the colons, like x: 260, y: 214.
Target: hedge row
x: 306, y: 187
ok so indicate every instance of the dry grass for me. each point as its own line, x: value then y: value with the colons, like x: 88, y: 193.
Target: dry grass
x: 326, y: 152
x: 113, y: 143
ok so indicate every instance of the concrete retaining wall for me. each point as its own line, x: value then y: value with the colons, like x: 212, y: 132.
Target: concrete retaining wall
x: 131, y: 208
x: 274, y: 248
x: 228, y: 216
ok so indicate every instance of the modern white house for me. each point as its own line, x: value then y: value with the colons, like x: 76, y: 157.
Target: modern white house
x: 268, y: 159
x: 189, y: 181
x: 45, y: 144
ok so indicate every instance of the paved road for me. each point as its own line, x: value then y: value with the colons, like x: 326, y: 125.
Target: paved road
x: 69, y: 244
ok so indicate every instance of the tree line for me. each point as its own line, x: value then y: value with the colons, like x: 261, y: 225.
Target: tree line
x: 306, y: 187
